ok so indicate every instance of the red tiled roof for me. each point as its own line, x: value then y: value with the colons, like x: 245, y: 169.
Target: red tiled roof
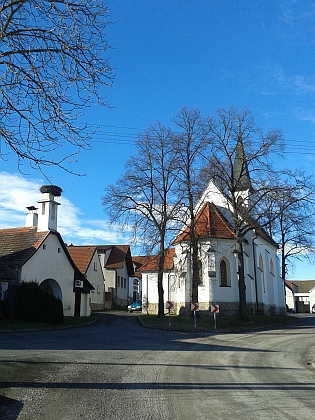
x: 288, y: 284
x: 117, y: 256
x: 210, y: 223
x: 139, y: 261
x: 81, y: 256
x: 152, y: 263
x: 17, y: 245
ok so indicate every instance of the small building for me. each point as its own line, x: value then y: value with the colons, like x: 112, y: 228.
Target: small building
x: 117, y: 266
x: 87, y: 260
x: 36, y: 252
x: 290, y: 290
x: 149, y: 272
x: 300, y: 295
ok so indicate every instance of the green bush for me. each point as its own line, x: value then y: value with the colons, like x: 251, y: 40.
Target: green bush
x: 35, y: 304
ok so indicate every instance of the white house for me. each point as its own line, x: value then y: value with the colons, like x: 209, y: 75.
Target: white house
x: 87, y: 260
x: 218, y: 268
x: 290, y: 290
x: 117, y: 266
x: 37, y: 253
x: 149, y: 269
x: 300, y: 295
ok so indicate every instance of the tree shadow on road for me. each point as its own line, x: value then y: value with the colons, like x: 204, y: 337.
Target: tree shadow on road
x: 9, y: 408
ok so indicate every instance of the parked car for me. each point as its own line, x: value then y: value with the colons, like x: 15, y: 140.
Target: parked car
x: 313, y: 309
x: 135, y: 306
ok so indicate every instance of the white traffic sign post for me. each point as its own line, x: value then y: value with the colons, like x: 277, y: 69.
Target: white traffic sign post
x: 215, y: 309
x: 194, y: 307
x: 169, y: 305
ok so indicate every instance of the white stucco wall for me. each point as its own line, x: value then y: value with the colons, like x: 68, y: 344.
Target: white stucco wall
x: 95, y: 276
x: 122, y: 291
x: 138, y: 287
x: 52, y: 263
x: 289, y: 299
x: 312, y: 298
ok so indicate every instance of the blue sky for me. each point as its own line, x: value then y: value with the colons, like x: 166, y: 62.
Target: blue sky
x: 170, y: 53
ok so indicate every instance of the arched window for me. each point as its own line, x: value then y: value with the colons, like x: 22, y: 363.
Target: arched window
x: 261, y: 268
x: 272, y: 270
x: 179, y: 270
x: 200, y: 273
x: 225, y: 279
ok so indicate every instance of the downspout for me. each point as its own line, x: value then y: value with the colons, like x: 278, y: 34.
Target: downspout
x: 255, y: 274
x: 116, y: 291
x: 147, y: 294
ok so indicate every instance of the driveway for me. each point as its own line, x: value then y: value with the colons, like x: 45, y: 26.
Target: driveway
x: 117, y: 369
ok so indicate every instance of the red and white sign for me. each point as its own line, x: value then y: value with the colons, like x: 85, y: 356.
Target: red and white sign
x: 169, y: 305
x: 215, y: 309
x: 194, y: 306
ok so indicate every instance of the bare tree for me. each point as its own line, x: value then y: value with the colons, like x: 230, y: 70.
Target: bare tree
x: 52, y: 67
x: 289, y: 215
x: 144, y: 199
x: 191, y: 145
x: 239, y: 165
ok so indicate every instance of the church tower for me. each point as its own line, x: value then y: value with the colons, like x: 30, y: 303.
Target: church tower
x: 240, y: 176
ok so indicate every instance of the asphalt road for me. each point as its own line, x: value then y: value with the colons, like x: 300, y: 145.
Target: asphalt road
x: 117, y: 369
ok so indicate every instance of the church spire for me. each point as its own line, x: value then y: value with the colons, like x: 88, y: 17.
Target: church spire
x: 241, y: 178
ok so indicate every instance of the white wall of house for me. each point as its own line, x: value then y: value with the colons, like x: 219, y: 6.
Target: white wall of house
x: 135, y: 288
x: 51, y: 263
x: 150, y: 297
x: 312, y: 298
x: 95, y: 276
x: 289, y: 299
x: 122, y: 282
x: 110, y: 279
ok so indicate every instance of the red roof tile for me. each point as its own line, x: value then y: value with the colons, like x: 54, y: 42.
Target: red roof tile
x: 118, y: 255
x: 81, y: 256
x: 152, y: 264
x: 210, y: 223
x: 17, y: 245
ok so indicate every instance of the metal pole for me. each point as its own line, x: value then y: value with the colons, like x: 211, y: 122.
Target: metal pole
x: 169, y: 317
x: 195, y: 324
